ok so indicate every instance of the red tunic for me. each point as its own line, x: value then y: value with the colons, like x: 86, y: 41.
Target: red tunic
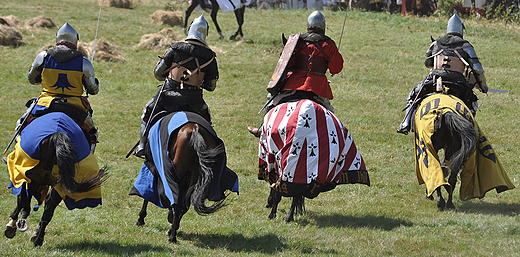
x: 313, y: 82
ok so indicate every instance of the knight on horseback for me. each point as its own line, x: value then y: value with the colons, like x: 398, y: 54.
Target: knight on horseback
x: 455, y: 70
x: 64, y: 74
x: 186, y: 67
x: 314, y: 54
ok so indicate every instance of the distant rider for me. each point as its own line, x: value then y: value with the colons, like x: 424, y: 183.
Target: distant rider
x: 312, y: 56
x: 186, y: 67
x: 64, y: 73
x: 455, y: 69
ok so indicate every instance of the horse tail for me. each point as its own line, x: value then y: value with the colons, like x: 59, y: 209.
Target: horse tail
x: 66, y: 159
x: 199, y: 192
x: 461, y: 127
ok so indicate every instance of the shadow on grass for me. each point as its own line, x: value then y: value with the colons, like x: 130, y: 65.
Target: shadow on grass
x: 344, y: 221
x: 112, y: 248
x: 508, y: 209
x: 269, y: 244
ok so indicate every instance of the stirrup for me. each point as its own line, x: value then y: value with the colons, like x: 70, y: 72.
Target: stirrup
x: 139, y: 152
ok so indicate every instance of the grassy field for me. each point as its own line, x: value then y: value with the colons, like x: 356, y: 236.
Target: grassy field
x: 383, y: 59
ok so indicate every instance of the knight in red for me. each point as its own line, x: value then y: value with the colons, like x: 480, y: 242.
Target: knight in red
x: 314, y: 54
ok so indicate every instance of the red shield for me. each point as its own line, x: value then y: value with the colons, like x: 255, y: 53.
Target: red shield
x: 280, y: 72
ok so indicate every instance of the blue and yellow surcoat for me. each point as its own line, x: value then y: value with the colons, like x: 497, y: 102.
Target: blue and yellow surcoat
x: 63, y: 79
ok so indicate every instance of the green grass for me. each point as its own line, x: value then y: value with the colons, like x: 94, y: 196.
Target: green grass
x: 383, y: 59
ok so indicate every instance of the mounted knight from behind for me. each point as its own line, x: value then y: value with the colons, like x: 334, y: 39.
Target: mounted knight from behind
x: 304, y: 149
x: 441, y: 112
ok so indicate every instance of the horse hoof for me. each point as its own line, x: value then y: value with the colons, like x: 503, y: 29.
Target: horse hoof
x: 10, y: 232
x: 139, y: 223
x: 37, y: 238
x: 22, y: 225
x: 272, y: 216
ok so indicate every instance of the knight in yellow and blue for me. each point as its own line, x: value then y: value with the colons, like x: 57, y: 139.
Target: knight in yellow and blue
x: 64, y: 74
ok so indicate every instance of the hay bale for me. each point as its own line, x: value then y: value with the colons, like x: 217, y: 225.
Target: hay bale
x: 116, y: 3
x: 105, y: 51
x: 12, y: 21
x: 159, y: 41
x: 10, y: 36
x: 172, y: 18
x: 40, y: 22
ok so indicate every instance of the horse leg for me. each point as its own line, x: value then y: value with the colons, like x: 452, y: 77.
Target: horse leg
x: 239, y: 14
x: 53, y: 200
x: 440, y: 201
x: 190, y: 9
x: 296, y: 208
x: 142, y: 214
x: 214, y: 11
x: 22, y: 204
x: 453, y: 181
x: 276, y: 198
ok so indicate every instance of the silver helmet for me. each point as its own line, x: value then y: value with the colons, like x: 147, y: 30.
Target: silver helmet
x: 198, y: 29
x: 316, y: 20
x: 68, y: 34
x: 455, y: 25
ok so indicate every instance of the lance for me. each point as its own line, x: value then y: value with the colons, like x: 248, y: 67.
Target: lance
x: 95, y: 38
x: 344, y: 20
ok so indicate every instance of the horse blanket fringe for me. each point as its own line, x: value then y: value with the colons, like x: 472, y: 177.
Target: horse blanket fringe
x: 305, y: 149
x: 27, y: 155
x: 480, y: 173
x: 158, y: 181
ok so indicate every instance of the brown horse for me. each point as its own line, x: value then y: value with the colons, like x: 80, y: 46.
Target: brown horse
x: 187, y: 162
x: 239, y: 14
x: 63, y: 151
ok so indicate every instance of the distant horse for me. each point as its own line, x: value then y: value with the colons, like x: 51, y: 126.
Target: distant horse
x: 304, y: 150
x: 239, y: 14
x: 52, y: 151
x: 444, y: 122
x: 185, y: 164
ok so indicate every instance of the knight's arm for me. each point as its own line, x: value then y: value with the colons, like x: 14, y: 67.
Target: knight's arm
x: 211, y: 77
x: 478, y: 71
x: 90, y: 82
x: 35, y: 73
x: 161, y: 66
x: 428, y: 62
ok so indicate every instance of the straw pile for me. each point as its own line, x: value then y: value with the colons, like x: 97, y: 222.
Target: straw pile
x: 10, y: 36
x: 172, y: 18
x: 116, y: 3
x: 159, y: 41
x: 105, y: 51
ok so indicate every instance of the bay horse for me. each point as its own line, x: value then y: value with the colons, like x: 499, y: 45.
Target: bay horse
x: 239, y: 14
x: 304, y: 150
x: 185, y: 164
x: 51, y: 152
x: 444, y: 122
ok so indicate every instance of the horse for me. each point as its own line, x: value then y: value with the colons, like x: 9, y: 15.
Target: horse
x: 443, y: 121
x: 185, y: 164
x: 239, y: 14
x: 51, y: 152
x: 304, y: 150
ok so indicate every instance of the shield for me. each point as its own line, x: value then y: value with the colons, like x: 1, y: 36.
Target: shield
x: 280, y: 72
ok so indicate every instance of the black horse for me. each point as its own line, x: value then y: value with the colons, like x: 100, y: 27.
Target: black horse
x: 53, y: 151
x: 194, y: 169
x: 239, y: 14
x: 444, y: 122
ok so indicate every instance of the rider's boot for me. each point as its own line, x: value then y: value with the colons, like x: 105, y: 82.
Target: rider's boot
x: 139, y: 150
